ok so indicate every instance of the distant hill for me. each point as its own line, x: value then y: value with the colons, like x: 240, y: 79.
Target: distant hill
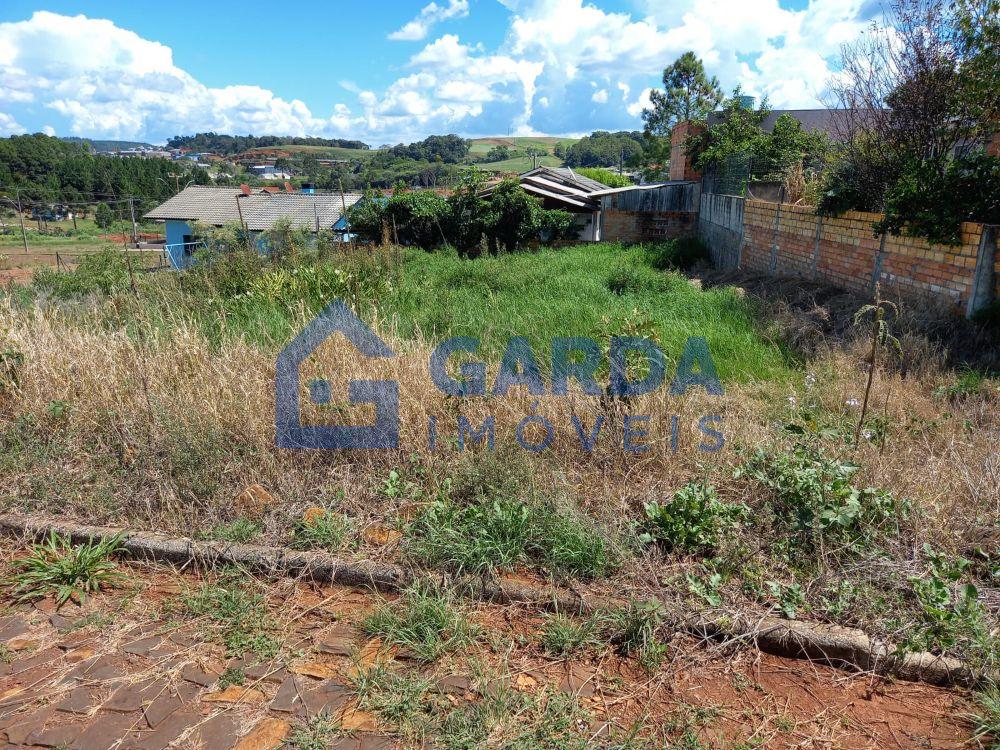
x: 518, y: 160
x: 104, y: 145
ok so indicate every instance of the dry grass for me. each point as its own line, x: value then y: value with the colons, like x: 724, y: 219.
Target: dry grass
x: 164, y: 431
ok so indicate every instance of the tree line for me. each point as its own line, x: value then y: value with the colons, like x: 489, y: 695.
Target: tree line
x: 45, y: 169
x: 227, y: 145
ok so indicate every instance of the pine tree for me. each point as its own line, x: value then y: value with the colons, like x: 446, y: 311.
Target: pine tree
x: 688, y: 94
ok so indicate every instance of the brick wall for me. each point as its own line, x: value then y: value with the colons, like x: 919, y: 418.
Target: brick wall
x: 793, y: 241
x: 680, y: 163
x: 652, y: 226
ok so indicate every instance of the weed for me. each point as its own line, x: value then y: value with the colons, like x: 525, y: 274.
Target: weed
x: 501, y: 534
x: 951, y: 613
x: 232, y: 676
x: 424, y: 620
x: 633, y: 629
x: 69, y: 572
x: 563, y: 635
x: 790, y: 598
x: 969, y: 383
x: 6, y: 655
x: 240, y: 531
x: 11, y: 364
x: 238, y: 619
x: 317, y: 733
x: 396, y: 698
x: 814, y: 497
x: 325, y: 530
x: 506, y: 718
x: 987, y: 716
x: 706, y: 588
x: 692, y: 521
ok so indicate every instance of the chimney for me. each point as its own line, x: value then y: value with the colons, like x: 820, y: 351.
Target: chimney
x: 288, y: 187
x: 245, y: 188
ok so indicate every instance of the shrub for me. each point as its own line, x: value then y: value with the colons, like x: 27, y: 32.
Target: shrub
x: 813, y: 496
x: 105, y: 272
x: 633, y: 629
x: 562, y: 635
x: 692, y: 521
x: 677, y: 255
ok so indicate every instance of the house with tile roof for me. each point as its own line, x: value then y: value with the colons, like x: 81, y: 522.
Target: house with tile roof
x: 256, y: 211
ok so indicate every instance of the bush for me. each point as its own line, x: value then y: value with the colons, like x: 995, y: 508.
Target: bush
x: 105, y: 272
x: 677, y: 255
x: 629, y: 279
x: 692, y: 521
x: 813, y: 496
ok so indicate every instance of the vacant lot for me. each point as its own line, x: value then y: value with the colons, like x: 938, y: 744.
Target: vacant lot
x: 154, y: 407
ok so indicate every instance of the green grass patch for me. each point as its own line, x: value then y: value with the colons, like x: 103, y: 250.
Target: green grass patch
x: 425, y: 620
x: 234, y: 616
x: 67, y: 571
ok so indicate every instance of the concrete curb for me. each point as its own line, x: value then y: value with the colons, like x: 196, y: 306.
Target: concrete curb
x: 844, y: 648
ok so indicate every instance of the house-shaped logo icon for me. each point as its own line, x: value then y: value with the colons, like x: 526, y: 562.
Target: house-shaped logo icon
x: 384, y: 394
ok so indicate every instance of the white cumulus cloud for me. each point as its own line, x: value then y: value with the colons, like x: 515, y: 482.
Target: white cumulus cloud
x: 430, y: 15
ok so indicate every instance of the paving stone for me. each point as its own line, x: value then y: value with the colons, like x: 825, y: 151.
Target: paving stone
x: 344, y: 743
x: 268, y: 734
x: 183, y: 638
x: 375, y: 742
x: 142, y: 646
x: 11, y: 627
x: 340, y: 641
x: 234, y: 694
x: 578, y: 680
x: 17, y: 732
x: 455, y: 684
x: 328, y: 696
x: 105, y: 732
x: 169, y: 700
x: 267, y: 672
x: 72, y: 641
x: 129, y: 698
x: 57, y: 736
x: 218, y: 733
x: 194, y: 673
x: 165, y: 733
x: 287, y: 699
x: 81, y: 700
x: 107, y: 667
x: 21, y: 666
x: 62, y: 622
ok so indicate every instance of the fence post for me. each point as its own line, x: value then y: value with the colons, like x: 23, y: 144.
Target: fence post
x: 983, y: 288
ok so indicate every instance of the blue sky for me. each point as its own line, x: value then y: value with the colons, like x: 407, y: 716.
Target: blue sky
x: 394, y: 71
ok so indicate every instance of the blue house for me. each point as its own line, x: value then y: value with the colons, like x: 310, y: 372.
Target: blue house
x: 257, y: 211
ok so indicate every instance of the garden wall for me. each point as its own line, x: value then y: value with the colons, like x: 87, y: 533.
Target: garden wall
x: 789, y: 240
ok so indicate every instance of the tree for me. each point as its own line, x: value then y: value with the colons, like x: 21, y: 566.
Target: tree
x: 921, y: 95
x: 688, y: 94
x: 103, y: 216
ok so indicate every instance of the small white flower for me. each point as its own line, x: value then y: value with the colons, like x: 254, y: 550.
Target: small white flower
x: 867, y: 434
x: 810, y: 379
x: 792, y: 400
x: 853, y: 402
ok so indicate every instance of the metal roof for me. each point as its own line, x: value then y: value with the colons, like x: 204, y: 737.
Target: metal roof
x: 218, y: 206
x: 566, y: 174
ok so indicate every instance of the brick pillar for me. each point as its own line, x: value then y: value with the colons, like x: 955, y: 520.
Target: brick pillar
x: 680, y: 163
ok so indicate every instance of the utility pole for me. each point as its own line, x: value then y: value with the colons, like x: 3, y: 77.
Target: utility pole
x: 621, y: 160
x: 131, y: 210
x: 20, y: 218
